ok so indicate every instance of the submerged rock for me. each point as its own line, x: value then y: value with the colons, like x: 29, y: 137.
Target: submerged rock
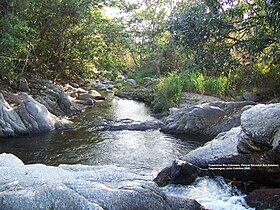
x: 127, y: 124
x: 80, y: 187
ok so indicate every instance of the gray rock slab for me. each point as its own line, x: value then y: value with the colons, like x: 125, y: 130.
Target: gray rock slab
x: 39, y: 186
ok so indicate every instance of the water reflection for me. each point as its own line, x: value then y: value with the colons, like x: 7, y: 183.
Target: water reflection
x: 138, y: 150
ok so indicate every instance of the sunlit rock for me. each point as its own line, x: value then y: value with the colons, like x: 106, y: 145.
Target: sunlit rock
x: 80, y: 187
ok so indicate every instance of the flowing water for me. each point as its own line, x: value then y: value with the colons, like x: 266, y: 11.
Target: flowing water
x: 141, y: 151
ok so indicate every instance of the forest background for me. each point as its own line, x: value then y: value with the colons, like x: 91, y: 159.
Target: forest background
x: 217, y: 47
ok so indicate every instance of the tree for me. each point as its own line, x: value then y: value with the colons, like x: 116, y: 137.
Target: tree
x: 148, y: 36
x: 237, y: 37
x: 59, y: 39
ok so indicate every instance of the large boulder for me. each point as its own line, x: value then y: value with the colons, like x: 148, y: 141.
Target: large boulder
x: 207, y: 119
x: 260, y: 122
x: 221, y: 149
x: 55, y: 99
x: 249, y: 152
x: 10, y: 122
x: 37, y: 118
x: 80, y: 187
x: 52, y: 96
x: 180, y: 172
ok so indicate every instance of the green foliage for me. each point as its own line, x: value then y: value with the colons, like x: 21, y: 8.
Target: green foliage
x: 139, y: 74
x: 197, y: 82
x: 218, y: 43
x: 229, y: 38
x: 59, y: 39
x: 168, y: 92
x: 201, y: 34
x: 170, y: 87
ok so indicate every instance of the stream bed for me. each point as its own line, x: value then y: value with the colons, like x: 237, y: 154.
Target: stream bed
x: 145, y: 152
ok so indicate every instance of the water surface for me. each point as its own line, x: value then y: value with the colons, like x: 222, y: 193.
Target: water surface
x: 147, y: 151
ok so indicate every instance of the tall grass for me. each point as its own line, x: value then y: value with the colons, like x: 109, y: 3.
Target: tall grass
x: 168, y: 92
x: 170, y: 87
x: 197, y: 82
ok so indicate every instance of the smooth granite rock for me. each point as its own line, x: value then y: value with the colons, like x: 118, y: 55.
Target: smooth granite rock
x: 37, y: 118
x: 10, y: 122
x: 207, y: 119
x: 64, y: 187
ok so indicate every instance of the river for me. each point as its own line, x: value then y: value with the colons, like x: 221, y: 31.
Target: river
x: 145, y: 152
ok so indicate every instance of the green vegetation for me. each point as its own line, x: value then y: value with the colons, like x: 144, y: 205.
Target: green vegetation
x: 168, y: 92
x: 139, y: 75
x: 170, y: 87
x: 59, y: 39
x: 207, y: 46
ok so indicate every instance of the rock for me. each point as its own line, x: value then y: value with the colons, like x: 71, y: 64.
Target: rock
x: 233, y: 106
x: 100, y: 98
x: 86, y: 102
x: 181, y: 172
x: 222, y: 149
x: 23, y: 85
x: 276, y: 141
x: 79, y: 187
x: 249, y: 152
x: 163, y: 177
x: 81, y: 90
x: 74, y: 95
x: 85, y: 96
x: 131, y: 81
x: 183, y: 203
x: 10, y: 122
x: 207, y: 119
x: 240, y: 98
x: 264, y: 199
x: 249, y: 96
x: 260, y: 122
x: 127, y: 124
x: 139, y: 94
x: 193, y: 120
x: 192, y: 99
x: 75, y: 85
x: 12, y: 98
x: 94, y: 93
x: 55, y: 99
x: 69, y: 88
x: 37, y: 118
